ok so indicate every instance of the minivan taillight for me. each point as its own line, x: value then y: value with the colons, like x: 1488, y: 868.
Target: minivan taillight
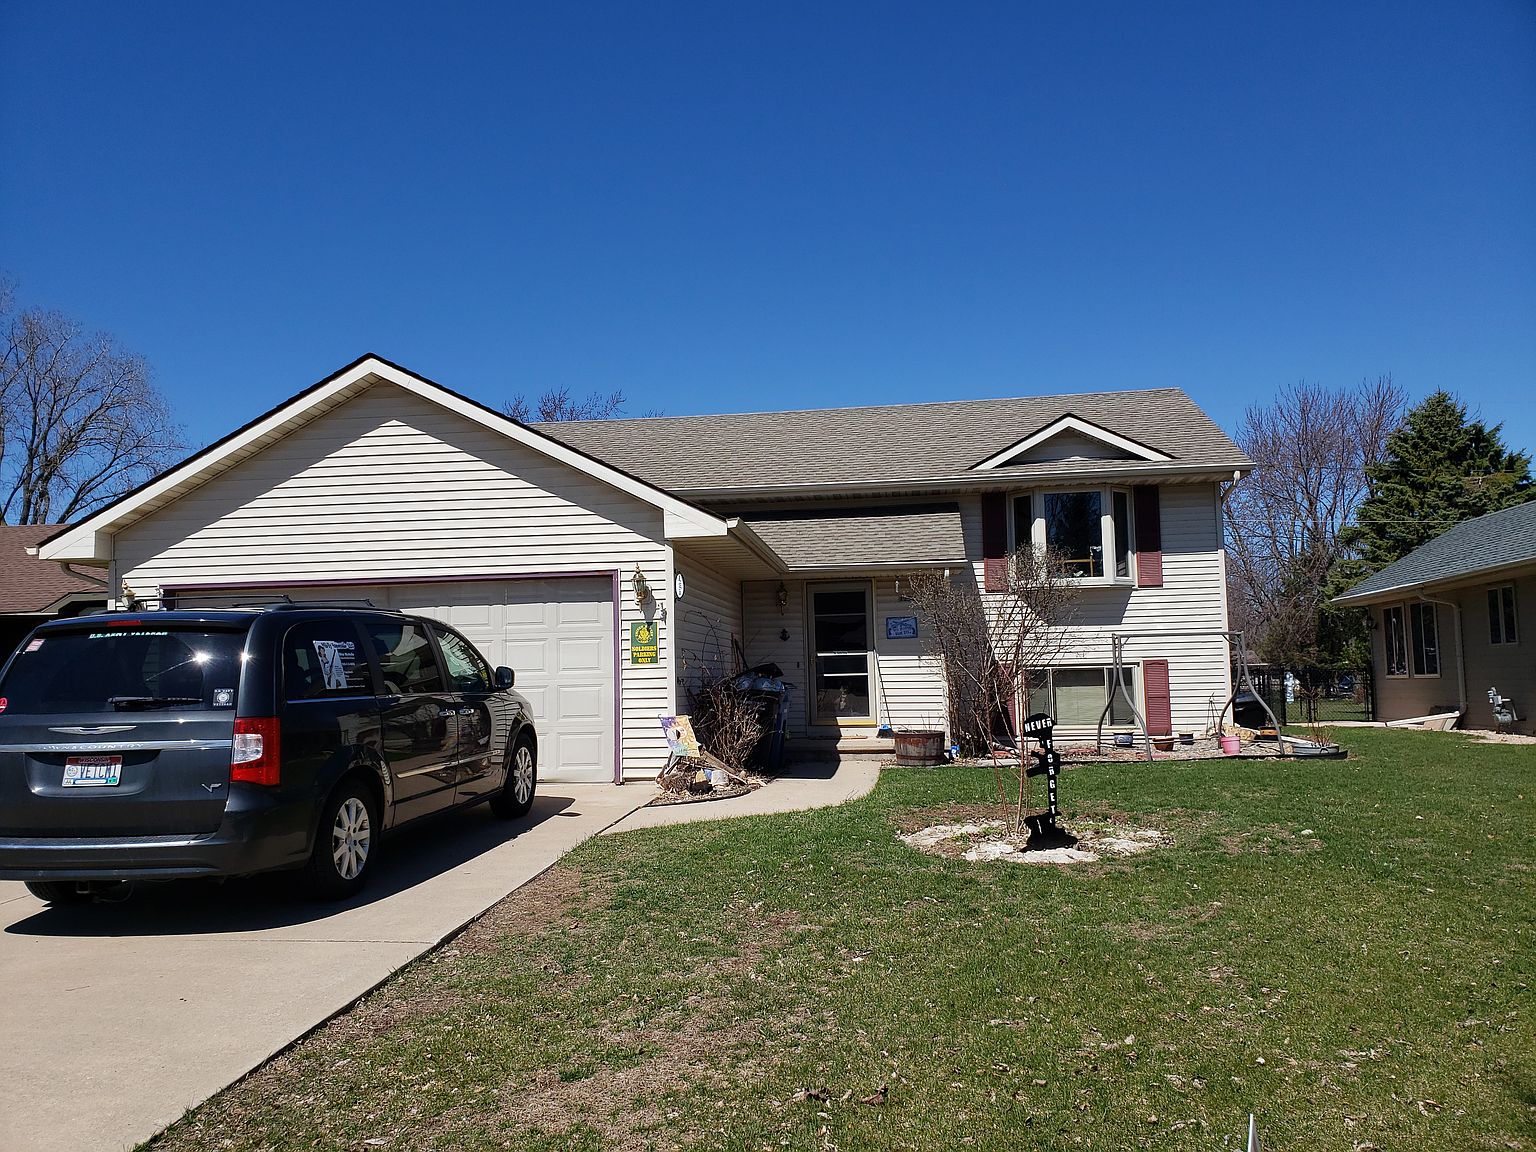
x: 256, y: 756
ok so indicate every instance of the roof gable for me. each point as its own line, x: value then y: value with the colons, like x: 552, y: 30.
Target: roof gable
x: 1070, y: 437
x: 89, y: 539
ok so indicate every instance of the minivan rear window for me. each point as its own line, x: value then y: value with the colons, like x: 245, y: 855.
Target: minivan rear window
x: 123, y: 669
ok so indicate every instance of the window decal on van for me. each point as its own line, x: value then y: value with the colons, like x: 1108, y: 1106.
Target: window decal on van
x: 223, y: 697
x: 337, y: 659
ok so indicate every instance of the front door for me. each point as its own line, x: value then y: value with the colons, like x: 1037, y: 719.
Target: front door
x: 840, y: 641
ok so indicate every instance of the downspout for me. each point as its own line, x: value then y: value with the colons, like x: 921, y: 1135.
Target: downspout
x: 1461, y: 663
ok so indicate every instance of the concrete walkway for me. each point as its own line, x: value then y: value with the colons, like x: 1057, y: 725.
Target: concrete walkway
x: 117, y: 1018
x: 801, y: 787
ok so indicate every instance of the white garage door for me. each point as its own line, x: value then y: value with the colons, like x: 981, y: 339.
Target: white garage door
x: 557, y: 635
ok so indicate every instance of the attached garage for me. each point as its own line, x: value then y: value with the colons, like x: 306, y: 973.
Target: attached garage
x: 557, y: 634
x: 378, y: 484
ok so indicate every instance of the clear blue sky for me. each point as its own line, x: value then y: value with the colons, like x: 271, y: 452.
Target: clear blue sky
x: 724, y: 207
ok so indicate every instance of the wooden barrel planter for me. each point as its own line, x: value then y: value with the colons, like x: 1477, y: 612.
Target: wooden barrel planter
x: 917, y: 748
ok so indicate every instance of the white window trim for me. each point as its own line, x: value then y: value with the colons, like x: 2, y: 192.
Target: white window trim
x: 1386, y: 644
x: 1409, y: 672
x: 1138, y: 691
x: 1433, y: 609
x: 1106, y: 528
x: 1513, y: 619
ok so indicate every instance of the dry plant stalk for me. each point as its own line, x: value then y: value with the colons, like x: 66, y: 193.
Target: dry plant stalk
x: 989, y: 644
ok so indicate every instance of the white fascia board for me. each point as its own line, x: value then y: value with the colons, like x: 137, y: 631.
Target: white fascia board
x: 90, y: 540
x: 1071, y: 423
x: 80, y: 545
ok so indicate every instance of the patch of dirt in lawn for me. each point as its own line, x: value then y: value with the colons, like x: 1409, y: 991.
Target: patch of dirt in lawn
x: 1087, y: 842
x: 560, y: 900
x: 623, y: 1104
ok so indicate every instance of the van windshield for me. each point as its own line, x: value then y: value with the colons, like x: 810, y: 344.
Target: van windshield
x: 122, y: 669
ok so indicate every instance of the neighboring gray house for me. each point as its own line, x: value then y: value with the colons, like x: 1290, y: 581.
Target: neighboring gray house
x: 1446, y: 621
x: 561, y: 549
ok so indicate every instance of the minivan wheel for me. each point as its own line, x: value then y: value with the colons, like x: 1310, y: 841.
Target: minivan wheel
x: 345, y: 842
x: 516, y: 795
x: 59, y: 891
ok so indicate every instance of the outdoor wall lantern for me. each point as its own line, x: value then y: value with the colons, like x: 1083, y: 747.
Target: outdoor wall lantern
x: 641, y: 585
x: 782, y: 596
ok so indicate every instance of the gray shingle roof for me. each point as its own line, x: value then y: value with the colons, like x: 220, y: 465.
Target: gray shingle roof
x: 895, y: 443
x: 914, y: 534
x: 1481, y: 544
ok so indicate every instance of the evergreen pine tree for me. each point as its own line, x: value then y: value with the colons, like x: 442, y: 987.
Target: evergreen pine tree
x: 1439, y: 469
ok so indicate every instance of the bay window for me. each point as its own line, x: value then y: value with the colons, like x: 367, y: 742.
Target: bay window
x: 1089, y: 528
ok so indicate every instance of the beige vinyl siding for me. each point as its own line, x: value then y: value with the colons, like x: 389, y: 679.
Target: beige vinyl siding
x: 911, y: 685
x: 1193, y: 597
x: 707, y: 619
x: 763, y: 622
x: 389, y: 486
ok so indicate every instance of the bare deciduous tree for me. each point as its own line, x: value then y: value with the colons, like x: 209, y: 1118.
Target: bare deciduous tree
x: 558, y: 404
x: 990, y: 643
x: 1312, y: 446
x: 80, y: 422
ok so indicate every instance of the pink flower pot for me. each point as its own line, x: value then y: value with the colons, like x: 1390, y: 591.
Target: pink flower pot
x: 1231, y: 744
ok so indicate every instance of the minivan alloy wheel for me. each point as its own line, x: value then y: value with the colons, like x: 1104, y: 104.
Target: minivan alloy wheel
x: 351, y: 838
x: 522, y: 774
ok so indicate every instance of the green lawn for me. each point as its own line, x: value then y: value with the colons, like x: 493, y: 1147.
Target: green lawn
x: 750, y: 984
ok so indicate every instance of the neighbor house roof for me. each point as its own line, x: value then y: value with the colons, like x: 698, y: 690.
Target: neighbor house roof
x: 30, y: 585
x: 1483, y: 545
x: 894, y: 444
x: 862, y: 537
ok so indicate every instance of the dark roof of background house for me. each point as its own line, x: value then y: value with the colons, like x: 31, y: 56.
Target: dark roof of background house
x: 1477, y: 545
x: 28, y: 584
x: 914, y: 534
x: 895, y: 443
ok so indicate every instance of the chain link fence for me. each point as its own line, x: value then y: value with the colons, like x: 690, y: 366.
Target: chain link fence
x: 1316, y: 695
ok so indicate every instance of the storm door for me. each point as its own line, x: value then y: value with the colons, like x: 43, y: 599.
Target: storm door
x: 841, y: 647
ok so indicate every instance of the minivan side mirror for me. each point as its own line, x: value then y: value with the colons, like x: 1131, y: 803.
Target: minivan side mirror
x: 505, y: 677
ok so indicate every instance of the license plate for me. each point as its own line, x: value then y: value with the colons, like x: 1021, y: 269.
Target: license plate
x: 93, y: 771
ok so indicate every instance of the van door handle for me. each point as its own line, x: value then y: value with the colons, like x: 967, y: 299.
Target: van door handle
x: 443, y: 713
x: 466, y: 711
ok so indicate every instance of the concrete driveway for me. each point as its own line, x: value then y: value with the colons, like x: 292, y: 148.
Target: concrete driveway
x: 117, y: 1018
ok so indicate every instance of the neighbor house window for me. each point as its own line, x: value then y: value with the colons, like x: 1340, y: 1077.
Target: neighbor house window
x: 1396, y: 638
x: 1426, y: 639
x: 1501, y: 616
x: 1075, y: 697
x: 1089, y: 528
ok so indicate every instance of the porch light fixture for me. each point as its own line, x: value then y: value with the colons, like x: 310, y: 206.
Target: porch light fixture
x: 782, y: 596
x: 641, y: 585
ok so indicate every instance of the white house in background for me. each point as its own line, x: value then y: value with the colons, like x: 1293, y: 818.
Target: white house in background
x: 772, y: 537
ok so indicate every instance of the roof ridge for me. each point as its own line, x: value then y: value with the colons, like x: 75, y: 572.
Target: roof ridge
x: 866, y: 407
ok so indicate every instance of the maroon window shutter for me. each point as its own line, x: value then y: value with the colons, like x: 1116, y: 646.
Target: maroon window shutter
x: 1159, y: 697
x: 1011, y: 698
x: 994, y: 540
x: 1149, y: 536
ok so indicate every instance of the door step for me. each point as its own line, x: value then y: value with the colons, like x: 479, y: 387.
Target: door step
x: 830, y: 744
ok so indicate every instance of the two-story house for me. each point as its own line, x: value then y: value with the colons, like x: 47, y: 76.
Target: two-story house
x: 609, y: 561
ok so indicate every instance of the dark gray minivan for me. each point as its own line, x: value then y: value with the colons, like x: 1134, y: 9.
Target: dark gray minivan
x: 225, y: 742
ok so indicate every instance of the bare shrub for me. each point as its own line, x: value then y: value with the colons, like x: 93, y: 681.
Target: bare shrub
x: 991, y: 642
